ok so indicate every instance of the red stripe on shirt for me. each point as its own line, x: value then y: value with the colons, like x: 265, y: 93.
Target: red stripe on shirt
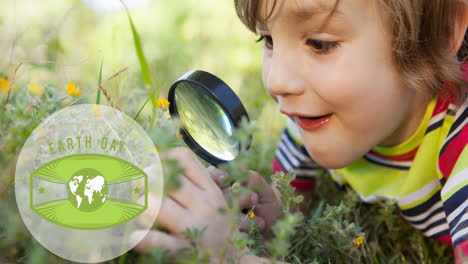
x: 303, y: 184
x: 452, y: 152
x: 443, y: 102
x: 408, y: 156
x: 276, y: 166
x: 447, y: 239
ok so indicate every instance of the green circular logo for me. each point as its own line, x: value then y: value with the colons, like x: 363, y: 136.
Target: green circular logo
x: 84, y: 175
x: 87, y: 190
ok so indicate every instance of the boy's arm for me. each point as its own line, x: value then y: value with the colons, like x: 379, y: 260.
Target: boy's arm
x: 455, y: 196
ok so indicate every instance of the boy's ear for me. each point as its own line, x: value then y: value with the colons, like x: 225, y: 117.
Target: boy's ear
x: 461, y: 24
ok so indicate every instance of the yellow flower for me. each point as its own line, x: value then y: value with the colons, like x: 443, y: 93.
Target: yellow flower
x: 178, y: 135
x: 73, y: 90
x: 251, y: 214
x: 236, y: 185
x: 358, y: 240
x: 4, y: 84
x: 36, y: 89
x: 162, y: 103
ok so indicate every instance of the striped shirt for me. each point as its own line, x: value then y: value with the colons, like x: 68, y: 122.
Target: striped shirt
x: 427, y: 175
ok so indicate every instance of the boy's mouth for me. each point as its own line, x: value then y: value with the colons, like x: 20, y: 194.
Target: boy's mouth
x: 314, y: 117
x: 312, y: 123
x: 308, y: 122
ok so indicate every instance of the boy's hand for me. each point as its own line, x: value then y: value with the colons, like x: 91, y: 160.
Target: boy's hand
x: 265, y: 202
x: 194, y: 205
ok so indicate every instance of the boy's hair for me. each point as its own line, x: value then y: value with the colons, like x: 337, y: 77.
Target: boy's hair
x: 422, y: 31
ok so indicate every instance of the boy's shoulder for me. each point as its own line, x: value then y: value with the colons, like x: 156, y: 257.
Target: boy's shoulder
x: 455, y: 136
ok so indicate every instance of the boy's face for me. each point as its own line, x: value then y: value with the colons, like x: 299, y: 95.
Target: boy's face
x: 342, y: 73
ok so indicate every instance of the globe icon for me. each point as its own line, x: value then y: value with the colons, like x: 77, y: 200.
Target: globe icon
x: 87, y: 190
x: 101, y: 191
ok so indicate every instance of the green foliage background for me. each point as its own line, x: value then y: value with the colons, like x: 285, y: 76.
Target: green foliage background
x: 55, y: 42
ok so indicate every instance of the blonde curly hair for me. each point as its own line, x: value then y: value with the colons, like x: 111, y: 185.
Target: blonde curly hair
x: 422, y: 32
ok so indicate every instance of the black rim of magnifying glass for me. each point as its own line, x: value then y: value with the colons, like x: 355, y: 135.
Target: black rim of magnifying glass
x: 226, y: 99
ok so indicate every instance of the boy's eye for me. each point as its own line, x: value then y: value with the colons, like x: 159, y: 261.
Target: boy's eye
x: 320, y: 46
x: 268, y: 41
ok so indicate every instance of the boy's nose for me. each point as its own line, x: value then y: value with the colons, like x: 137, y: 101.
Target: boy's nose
x: 282, y: 76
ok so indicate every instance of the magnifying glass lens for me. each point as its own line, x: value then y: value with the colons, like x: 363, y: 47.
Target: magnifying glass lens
x: 206, y: 121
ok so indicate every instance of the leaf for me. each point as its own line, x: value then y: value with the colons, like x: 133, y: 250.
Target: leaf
x: 143, y: 65
x: 139, y: 50
x: 98, y: 98
x: 141, y: 108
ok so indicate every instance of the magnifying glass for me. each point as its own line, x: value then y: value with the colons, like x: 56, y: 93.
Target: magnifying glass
x: 209, y: 113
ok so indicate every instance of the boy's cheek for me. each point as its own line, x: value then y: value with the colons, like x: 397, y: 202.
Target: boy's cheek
x: 266, y: 67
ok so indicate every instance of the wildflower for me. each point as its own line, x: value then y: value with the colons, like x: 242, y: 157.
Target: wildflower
x: 162, y: 103
x: 36, y: 89
x: 359, y: 240
x: 4, y: 84
x: 73, y: 90
x: 251, y: 214
x: 178, y: 135
x: 236, y: 185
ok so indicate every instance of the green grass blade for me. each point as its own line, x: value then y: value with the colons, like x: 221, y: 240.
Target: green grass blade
x: 143, y: 106
x: 98, y: 97
x: 143, y: 65
x: 139, y: 50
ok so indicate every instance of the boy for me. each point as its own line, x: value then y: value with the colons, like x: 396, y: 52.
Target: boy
x: 375, y: 92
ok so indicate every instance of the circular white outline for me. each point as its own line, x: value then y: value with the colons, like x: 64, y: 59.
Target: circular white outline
x: 84, y: 118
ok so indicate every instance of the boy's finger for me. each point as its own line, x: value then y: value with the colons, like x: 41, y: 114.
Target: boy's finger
x: 254, y: 179
x: 188, y: 194
x: 193, y: 168
x: 218, y: 176
x: 265, y: 193
x: 155, y: 239
x: 248, y: 200
x: 147, y: 218
x: 173, y: 216
x: 244, y: 222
